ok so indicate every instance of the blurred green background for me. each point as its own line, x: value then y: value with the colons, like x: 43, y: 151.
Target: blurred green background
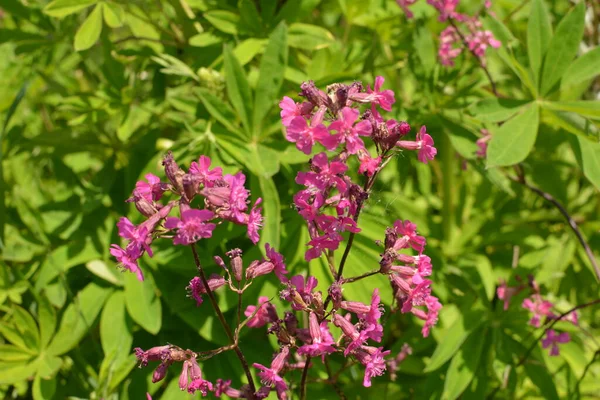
x: 93, y: 93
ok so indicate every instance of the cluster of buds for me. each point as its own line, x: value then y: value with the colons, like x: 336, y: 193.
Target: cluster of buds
x: 540, y: 308
x: 330, y: 202
x: 465, y: 31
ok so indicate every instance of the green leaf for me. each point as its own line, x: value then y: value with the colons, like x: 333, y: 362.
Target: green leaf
x: 587, y: 108
x: 454, y: 337
x: 271, y: 232
x: 12, y: 372
x: 573, y: 123
x: 309, y: 37
x: 141, y: 28
x: 250, y: 21
x: 217, y: 108
x: 26, y: 325
x: 496, y: 110
x: 204, y: 39
x: 563, y: 47
x: 225, y: 21
x: 78, y: 318
x: 113, y: 14
x: 539, y: 33
x: 583, y: 68
x: 143, y: 305
x: 462, y: 139
x: 540, y: 376
x: 43, y: 388
x: 115, y: 333
x: 248, y: 49
x: 513, y: 141
x: 464, y: 366
x: 589, y: 159
x: 270, y: 79
x: 61, y: 8
x: 46, y: 317
x: 89, y: 32
x: 238, y: 88
x: 101, y: 270
x: 9, y: 352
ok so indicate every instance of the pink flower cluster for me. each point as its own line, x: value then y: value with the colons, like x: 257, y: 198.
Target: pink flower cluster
x: 341, y: 121
x: 225, y: 199
x: 453, y: 39
x: 327, y: 185
x: 539, y: 308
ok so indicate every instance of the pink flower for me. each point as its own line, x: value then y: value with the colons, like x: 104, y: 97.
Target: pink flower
x: 290, y: 110
x: 407, y: 235
x: 320, y: 244
x: 417, y: 296
x: 322, y: 341
x: 305, y: 136
x: 238, y: 196
x: 374, y: 361
x: 197, y: 288
x: 552, y: 340
x: 127, y: 260
x: 197, y: 382
x: 158, y: 353
x: 450, y: 46
x: 255, y: 222
x: 266, y: 313
x: 278, y: 261
x: 373, y: 328
x: 270, y: 376
x: 206, y: 175
x: 482, y: 143
x: 138, y: 236
x: 424, y: 144
x: 324, y: 174
x: 447, y: 9
x: 151, y: 190
x: 539, y: 308
x: 480, y: 41
x: 357, y: 338
x: 433, y: 310
x: 505, y: 293
x: 404, y: 6
x: 384, y: 99
x: 394, y: 364
x: 224, y: 388
x: 368, y: 165
x: 304, y: 289
x: 308, y: 205
x: 191, y: 227
x: 349, y: 133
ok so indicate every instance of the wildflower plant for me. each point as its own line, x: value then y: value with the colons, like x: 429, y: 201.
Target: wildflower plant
x: 344, y: 131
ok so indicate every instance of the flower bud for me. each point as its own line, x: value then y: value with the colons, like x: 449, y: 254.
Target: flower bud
x: 335, y: 293
x: 183, y: 378
x: 144, y: 207
x: 191, y: 184
x: 346, y: 326
x: 160, y: 372
x: 236, y: 263
x: 173, y: 172
x: 216, y: 196
x: 314, y: 95
x: 291, y: 322
x: 257, y: 268
x: 219, y: 261
x: 355, y: 306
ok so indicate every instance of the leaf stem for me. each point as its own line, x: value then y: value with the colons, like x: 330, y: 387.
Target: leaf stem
x: 221, y: 317
x: 303, y: 379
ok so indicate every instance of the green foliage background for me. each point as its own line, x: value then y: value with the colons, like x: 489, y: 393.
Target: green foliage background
x: 92, y: 93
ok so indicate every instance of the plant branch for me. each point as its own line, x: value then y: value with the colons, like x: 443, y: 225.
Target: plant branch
x: 570, y: 220
x: 221, y: 317
x: 147, y: 39
x: 552, y: 323
x: 359, y: 277
x: 481, y: 64
x: 303, y: 379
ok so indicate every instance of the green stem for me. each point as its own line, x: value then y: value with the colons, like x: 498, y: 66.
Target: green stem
x: 448, y: 184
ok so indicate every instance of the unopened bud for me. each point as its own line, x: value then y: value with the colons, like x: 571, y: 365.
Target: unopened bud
x: 237, y: 265
x: 257, y: 268
x: 160, y: 372
x: 173, y: 172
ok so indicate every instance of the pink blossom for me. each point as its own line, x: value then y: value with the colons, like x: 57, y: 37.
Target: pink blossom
x: 404, y: 6
x: 447, y: 9
x: 255, y: 222
x: 270, y: 376
x: 308, y: 205
x: 306, y: 135
x: 127, y: 260
x: 384, y: 98
x: 266, y: 313
x: 539, y: 308
x: 407, y: 235
x: 424, y: 144
x: 322, y: 341
x: 450, y: 46
x: 158, y: 353
x: 238, y: 196
x: 224, y: 388
x: 394, y: 364
x: 368, y: 165
x: 374, y: 361
x: 505, y: 293
x: 203, y: 171
x: 480, y: 41
x: 151, y: 190
x: 320, y: 244
x: 197, y: 382
x: 482, y: 143
x: 197, y: 288
x: 325, y: 174
x: 191, y: 227
x: 290, y: 110
x: 373, y: 328
x: 304, y: 289
x: 417, y: 296
x: 349, y: 133
x: 552, y: 340
x: 278, y: 261
x: 357, y: 338
x: 433, y: 310
x: 138, y: 236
